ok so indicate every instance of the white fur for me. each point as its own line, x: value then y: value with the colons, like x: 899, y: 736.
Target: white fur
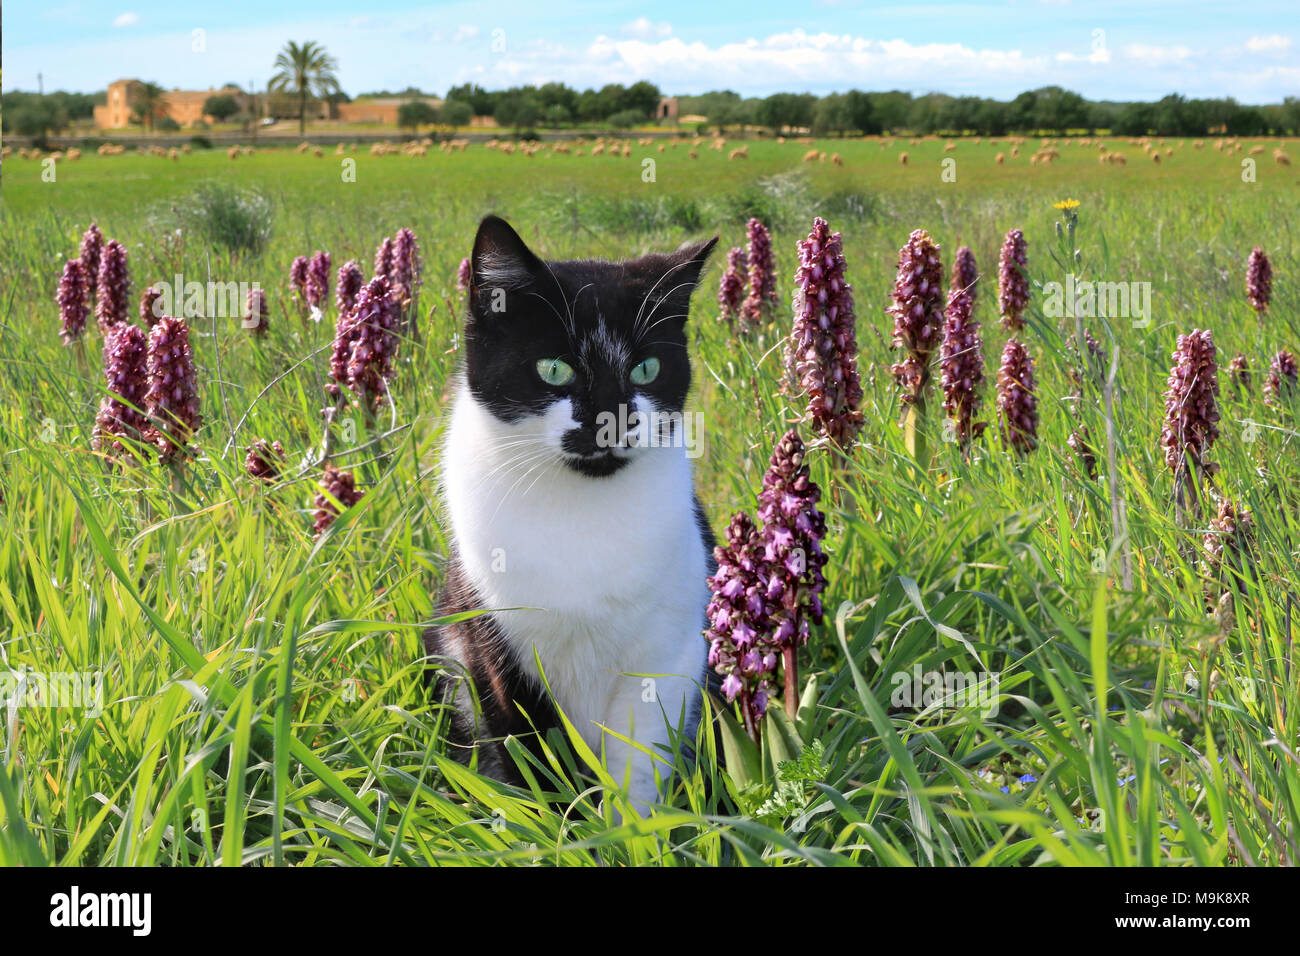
x: 614, y: 569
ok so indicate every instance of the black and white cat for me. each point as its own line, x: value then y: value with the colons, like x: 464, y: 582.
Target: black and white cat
x: 569, y: 493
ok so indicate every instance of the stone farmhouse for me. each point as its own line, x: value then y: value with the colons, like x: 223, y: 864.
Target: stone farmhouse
x: 185, y: 107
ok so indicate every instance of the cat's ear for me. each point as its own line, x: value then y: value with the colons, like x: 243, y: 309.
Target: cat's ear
x: 500, y: 260
x: 692, y: 257
x: 673, y: 290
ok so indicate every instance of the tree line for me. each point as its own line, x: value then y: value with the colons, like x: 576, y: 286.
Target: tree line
x: 1049, y: 109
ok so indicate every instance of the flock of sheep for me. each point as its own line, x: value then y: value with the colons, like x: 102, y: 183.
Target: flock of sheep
x: 1046, y: 153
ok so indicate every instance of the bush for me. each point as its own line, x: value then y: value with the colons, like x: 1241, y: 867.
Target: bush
x: 165, y: 124
x: 200, y: 142
x: 626, y: 119
x: 778, y: 201
x: 629, y: 215
x: 849, y: 204
x: 235, y: 219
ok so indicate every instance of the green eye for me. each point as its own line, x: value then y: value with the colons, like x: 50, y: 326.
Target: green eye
x: 554, y: 371
x: 646, y: 372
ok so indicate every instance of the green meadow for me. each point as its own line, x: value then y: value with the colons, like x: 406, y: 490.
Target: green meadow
x: 261, y: 697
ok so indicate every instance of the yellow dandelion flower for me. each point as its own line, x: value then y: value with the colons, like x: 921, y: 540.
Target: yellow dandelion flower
x: 1066, y: 204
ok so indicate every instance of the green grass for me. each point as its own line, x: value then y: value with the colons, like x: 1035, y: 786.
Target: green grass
x: 263, y: 702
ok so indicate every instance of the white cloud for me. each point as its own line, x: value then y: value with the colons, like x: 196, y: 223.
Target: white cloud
x: 643, y: 29
x: 1275, y: 43
x: 1157, y: 55
x: 466, y: 31
x: 814, y: 61
x: 127, y: 19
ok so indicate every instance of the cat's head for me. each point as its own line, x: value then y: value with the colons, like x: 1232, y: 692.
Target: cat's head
x: 580, y: 357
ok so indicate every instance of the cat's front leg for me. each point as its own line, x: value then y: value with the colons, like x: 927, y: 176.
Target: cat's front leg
x: 641, y: 712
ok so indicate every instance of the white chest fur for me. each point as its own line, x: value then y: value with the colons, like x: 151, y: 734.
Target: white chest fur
x: 608, y: 573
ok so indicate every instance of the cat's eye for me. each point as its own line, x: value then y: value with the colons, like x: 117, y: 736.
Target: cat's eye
x: 646, y: 372
x: 554, y: 371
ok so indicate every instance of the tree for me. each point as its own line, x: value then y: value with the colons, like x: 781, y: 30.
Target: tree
x: 456, y: 113
x: 34, y: 117
x: 556, y: 116
x: 416, y: 113
x: 304, y: 71
x: 609, y: 100
x: 1061, y: 110
x: 642, y: 96
x: 1291, y: 114
x: 831, y: 115
x: 150, y: 103
x: 518, y: 109
x: 781, y: 110
x: 861, y: 115
x: 1136, y: 119
x: 479, y: 99
x: 220, y: 107
x: 891, y: 109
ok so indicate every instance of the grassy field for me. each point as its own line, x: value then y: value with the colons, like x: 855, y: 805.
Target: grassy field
x: 262, y: 697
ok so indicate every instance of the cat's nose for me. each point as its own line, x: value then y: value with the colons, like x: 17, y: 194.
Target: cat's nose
x: 580, y: 441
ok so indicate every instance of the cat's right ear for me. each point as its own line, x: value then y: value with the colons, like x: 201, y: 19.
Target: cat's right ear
x: 501, y: 262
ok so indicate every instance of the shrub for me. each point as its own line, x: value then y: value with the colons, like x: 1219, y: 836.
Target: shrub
x: 200, y: 142
x: 235, y: 219
x: 626, y: 119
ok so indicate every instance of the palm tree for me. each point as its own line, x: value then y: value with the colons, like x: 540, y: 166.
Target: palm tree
x: 150, y: 103
x: 304, y: 70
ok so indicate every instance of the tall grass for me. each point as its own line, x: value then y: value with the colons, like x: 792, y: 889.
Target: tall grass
x: 264, y: 701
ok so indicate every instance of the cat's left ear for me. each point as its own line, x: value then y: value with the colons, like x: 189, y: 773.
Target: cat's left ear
x: 683, y: 275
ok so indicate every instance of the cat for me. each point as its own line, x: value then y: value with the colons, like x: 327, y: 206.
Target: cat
x: 568, y: 490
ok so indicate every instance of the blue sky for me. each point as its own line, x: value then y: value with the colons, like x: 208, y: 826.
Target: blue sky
x: 1105, y: 49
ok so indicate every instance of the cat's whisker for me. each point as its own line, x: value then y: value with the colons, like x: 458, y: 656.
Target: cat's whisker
x: 637, y: 322
x: 660, y: 321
